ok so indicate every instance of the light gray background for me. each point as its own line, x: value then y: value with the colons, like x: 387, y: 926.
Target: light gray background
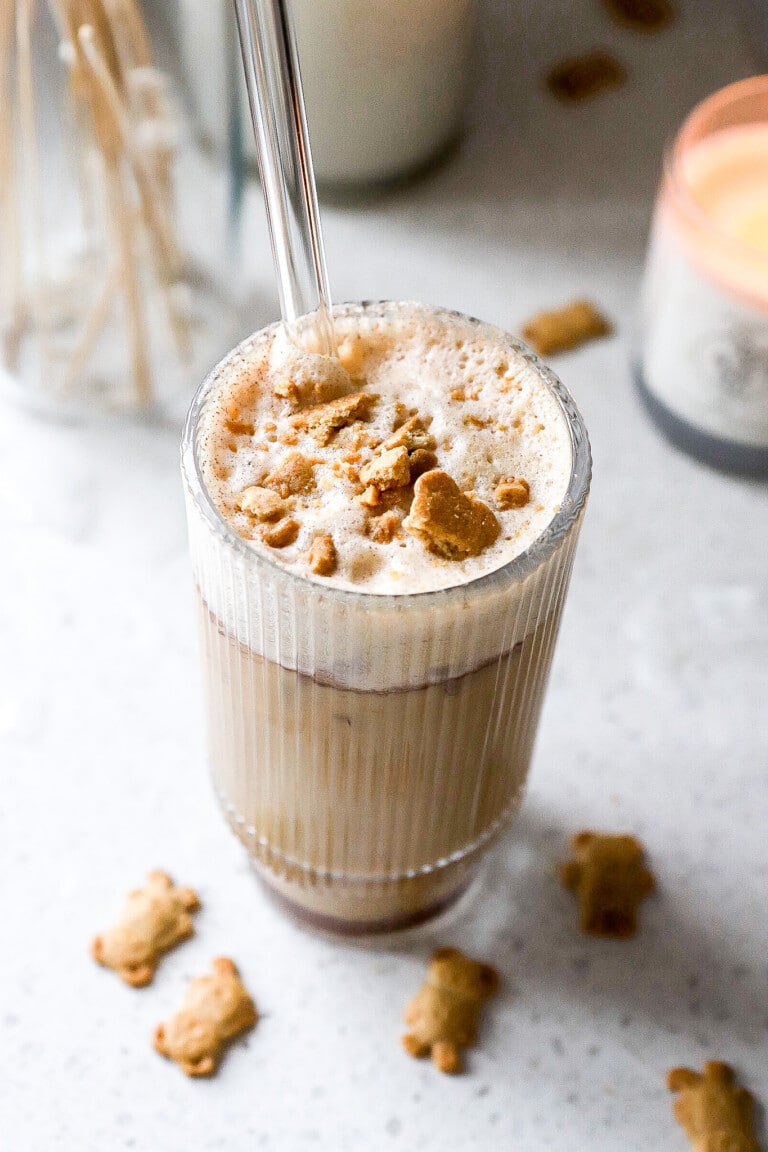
x: 656, y: 720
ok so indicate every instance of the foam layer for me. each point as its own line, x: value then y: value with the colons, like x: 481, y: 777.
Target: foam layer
x: 491, y: 416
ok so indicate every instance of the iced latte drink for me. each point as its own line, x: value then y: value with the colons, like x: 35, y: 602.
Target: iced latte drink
x: 381, y: 549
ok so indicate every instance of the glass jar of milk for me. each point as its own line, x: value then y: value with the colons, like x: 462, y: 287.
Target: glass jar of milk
x: 385, y: 81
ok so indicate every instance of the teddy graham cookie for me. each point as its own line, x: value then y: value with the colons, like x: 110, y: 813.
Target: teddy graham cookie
x: 154, y: 919
x: 610, y: 879
x: 565, y: 328
x: 641, y: 15
x: 216, y: 1009
x: 442, y: 1017
x: 582, y: 77
x: 715, y: 1112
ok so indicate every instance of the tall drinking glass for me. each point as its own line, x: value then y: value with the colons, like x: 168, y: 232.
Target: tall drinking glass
x: 367, y: 748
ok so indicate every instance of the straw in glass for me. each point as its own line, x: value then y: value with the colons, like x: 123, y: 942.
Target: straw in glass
x: 273, y: 80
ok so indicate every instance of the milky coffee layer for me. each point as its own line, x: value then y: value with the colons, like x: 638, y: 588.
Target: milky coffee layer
x: 484, y: 414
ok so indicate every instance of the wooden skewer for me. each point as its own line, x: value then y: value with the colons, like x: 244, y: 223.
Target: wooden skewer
x: 145, y: 88
x: 11, y: 304
x: 163, y: 244
x: 151, y: 201
x: 153, y: 112
x: 132, y: 37
x: 146, y: 104
x: 31, y: 170
x: 121, y: 221
x: 108, y: 136
x: 94, y: 326
x: 64, y: 18
x: 143, y: 83
x: 80, y: 136
x: 113, y: 89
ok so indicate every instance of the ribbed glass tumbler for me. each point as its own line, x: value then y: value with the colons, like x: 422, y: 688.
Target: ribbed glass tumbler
x: 367, y: 748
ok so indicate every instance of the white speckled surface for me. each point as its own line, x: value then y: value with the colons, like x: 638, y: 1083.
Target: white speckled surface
x: 656, y: 720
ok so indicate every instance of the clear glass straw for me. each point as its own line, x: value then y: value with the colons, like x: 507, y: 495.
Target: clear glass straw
x: 273, y: 80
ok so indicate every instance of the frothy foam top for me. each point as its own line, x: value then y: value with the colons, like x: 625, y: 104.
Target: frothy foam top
x: 484, y: 417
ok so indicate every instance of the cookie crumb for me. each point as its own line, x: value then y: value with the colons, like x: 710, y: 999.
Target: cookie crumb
x: 282, y: 534
x: 513, y: 492
x: 413, y: 434
x: 448, y: 522
x: 582, y: 77
x: 565, y: 328
x: 400, y: 413
x: 322, y: 420
x: 351, y: 353
x: 390, y: 469
x: 322, y: 557
x: 712, y: 1109
x: 292, y: 476
x: 215, y: 1009
x: 318, y: 380
x: 239, y: 427
x: 261, y: 503
x: 421, y: 461
x: 287, y: 389
x: 442, y: 1017
x: 641, y: 15
x: 383, y: 529
x: 371, y: 498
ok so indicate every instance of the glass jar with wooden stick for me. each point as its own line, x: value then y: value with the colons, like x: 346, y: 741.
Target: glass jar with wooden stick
x: 103, y: 301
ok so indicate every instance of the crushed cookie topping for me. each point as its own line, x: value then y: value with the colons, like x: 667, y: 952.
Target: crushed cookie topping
x: 349, y: 470
x: 322, y: 557
x: 420, y: 461
x: 261, y: 503
x: 322, y: 420
x: 383, y: 529
x: 293, y: 475
x: 412, y: 435
x: 239, y: 427
x: 448, y: 522
x: 287, y: 390
x: 282, y: 534
x: 512, y: 493
x: 351, y: 351
x: 385, y: 473
x: 314, y: 380
x: 390, y: 469
x: 371, y: 497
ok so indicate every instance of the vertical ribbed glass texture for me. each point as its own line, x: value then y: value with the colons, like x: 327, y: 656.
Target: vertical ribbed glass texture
x: 367, y: 748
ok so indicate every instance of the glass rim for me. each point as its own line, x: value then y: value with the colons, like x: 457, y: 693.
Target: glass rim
x: 516, y: 570
x: 675, y: 148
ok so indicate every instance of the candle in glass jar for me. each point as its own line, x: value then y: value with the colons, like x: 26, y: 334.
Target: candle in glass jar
x: 704, y: 362
x: 727, y: 177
